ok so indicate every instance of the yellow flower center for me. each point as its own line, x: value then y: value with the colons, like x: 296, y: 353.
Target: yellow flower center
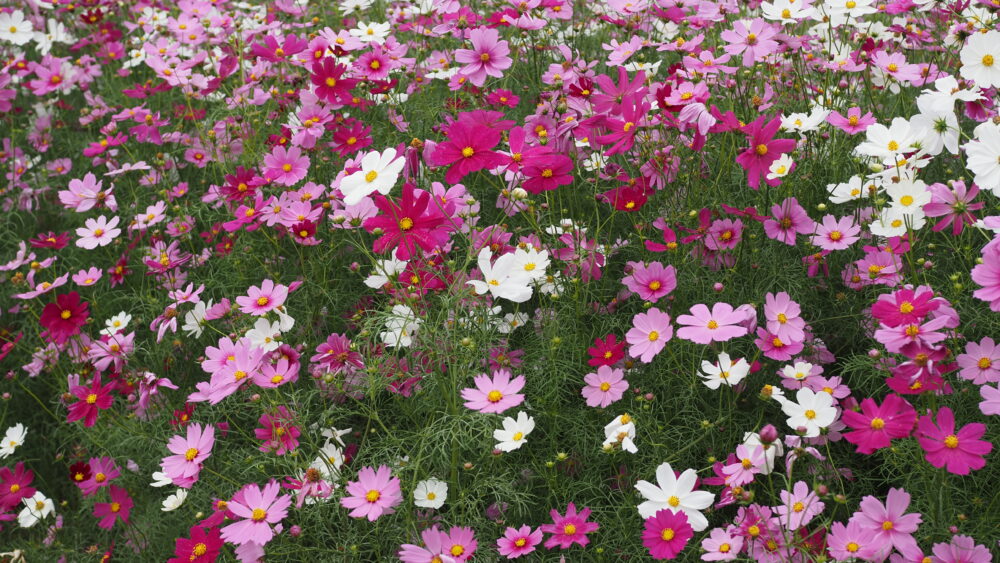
x: 810, y: 414
x: 628, y: 125
x: 406, y: 223
x: 984, y: 363
x: 239, y: 374
x: 547, y: 173
x: 987, y: 60
x: 66, y: 314
x: 91, y: 399
x: 457, y: 550
x: 852, y: 547
x: 494, y: 396
x: 605, y: 386
x: 754, y: 531
x: 517, y: 436
x: 199, y: 550
x: 15, y: 488
x: 258, y: 514
x: 887, y: 525
x: 370, y: 177
x: 484, y: 57
x: 263, y: 301
x: 893, y: 146
x: 712, y: 324
x: 761, y: 150
x: 724, y: 548
x: 520, y: 542
x: 190, y: 454
x: 877, y: 423
x: 798, y: 507
x: 286, y: 167
x: 569, y: 529
x: 667, y: 534
x: 654, y: 336
x: 674, y: 502
x: 951, y: 441
x: 654, y: 285
x: 468, y: 152
x: 115, y: 507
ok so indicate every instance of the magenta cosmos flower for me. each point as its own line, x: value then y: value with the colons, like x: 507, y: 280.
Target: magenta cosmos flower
x: 376, y: 492
x: 119, y: 508
x: 853, y: 123
x: 720, y: 324
x: 488, y: 56
x: 189, y: 452
x: 260, y: 300
x: 286, y: 167
x: 649, y: 334
x: 413, y: 222
x: 959, y: 451
x: 494, y: 394
x: 518, y: 541
x: 651, y: 282
x: 789, y: 219
x: 666, y: 533
x: 763, y: 149
x: 63, y: 319
x: 569, y: 529
x: 278, y: 432
x: 604, y: 387
x: 469, y: 148
x: 876, y: 425
x: 259, y: 510
x: 91, y: 400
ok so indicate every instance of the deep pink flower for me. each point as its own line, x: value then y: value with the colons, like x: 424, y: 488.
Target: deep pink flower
x: 764, y: 149
x: 853, y: 123
x: 259, y: 510
x: 959, y: 451
x: 546, y: 172
x: 64, y: 318
x: 329, y: 81
x: 954, y: 204
x: 571, y: 528
x: 876, y: 425
x: 496, y: 394
x: 789, y: 219
x: 119, y: 508
x: 469, y: 148
x: 413, y: 222
x: 203, y: 546
x: 278, y: 431
x: 651, y: 282
x: 91, y: 400
x: 286, y: 167
x: 724, y: 234
x: 720, y: 324
x: 666, y: 534
x: 606, y: 352
x: 260, y: 300
x: 15, y: 485
x: 518, y: 541
x: 376, y: 492
x: 906, y: 305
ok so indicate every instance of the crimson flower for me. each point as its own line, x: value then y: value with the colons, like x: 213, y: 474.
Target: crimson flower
x: 50, y: 240
x: 411, y: 224
x: 91, y: 400
x: 64, y: 318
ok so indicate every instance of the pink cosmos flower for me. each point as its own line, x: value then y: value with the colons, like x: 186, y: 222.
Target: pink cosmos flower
x: 789, y: 219
x: 413, y: 222
x: 776, y: 348
x: 666, y: 533
x: 92, y: 399
x: 991, y: 400
x: 98, y: 232
x: 189, y: 452
x: 267, y: 297
x: 119, y: 508
x: 954, y: 204
x: 906, y: 305
x: 720, y: 324
x: 571, y: 528
x: 907, y: 337
x: 433, y: 548
x: 518, y: 541
x: 961, y: 549
x: 651, y: 282
x: 649, y: 334
x: 876, y: 425
x: 286, y: 166
x: 547, y: 172
x: 750, y: 461
x: 15, y: 486
x: 102, y: 470
x: 853, y: 123
x: 488, y: 56
x: 798, y: 507
x: 604, y: 387
x: 889, y: 522
x: 64, y: 318
x: 278, y: 432
x: 721, y: 545
x: 460, y: 542
x: 86, y: 278
x: 376, y: 492
x: 836, y: 234
x: 987, y: 276
x: 959, y: 451
x: 496, y: 394
x: 754, y: 39
x: 980, y: 363
x: 469, y: 148
x: 852, y: 542
x: 259, y: 510
x: 724, y: 234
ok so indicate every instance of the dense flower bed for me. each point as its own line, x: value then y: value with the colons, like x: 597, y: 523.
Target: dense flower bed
x: 439, y: 281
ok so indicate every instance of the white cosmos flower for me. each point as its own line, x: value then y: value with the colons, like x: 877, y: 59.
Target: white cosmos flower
x: 514, y: 433
x: 677, y: 494
x: 265, y: 335
x: 14, y: 28
x: 981, y: 59
x: 725, y: 372
x: 36, y: 508
x: 379, y: 172
x: 116, y: 323
x: 385, y: 271
x: 983, y: 156
x: 160, y: 479
x: 887, y: 143
x: 621, y: 431
x: 852, y: 190
x: 771, y: 451
x: 503, y: 278
x: 894, y: 222
x: 430, y: 493
x: 174, y: 501
x: 811, y: 411
x: 13, y: 439
x: 400, y: 327
x: 371, y: 32
x: 194, y: 320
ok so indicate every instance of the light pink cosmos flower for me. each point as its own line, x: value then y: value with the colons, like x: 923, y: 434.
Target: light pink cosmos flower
x: 88, y: 277
x: 889, y: 521
x: 852, y: 542
x: 789, y: 219
x: 798, y: 507
x: 649, y: 334
x: 724, y: 234
x: 488, y: 56
x: 496, y: 394
x: 753, y: 39
x: 189, y: 452
x: 259, y: 510
x: 260, y: 300
x: 376, y: 492
x: 836, y: 234
x: 518, y: 541
x: 783, y: 318
x: 980, y: 362
x: 97, y: 232
x: 991, y: 400
x: 604, y: 387
x: 720, y: 324
x: 962, y: 549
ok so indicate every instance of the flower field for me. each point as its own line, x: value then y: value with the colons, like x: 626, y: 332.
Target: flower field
x: 435, y: 281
